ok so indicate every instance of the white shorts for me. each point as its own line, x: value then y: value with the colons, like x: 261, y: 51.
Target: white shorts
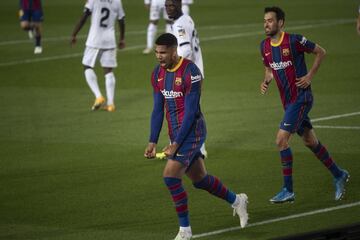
x: 107, y: 57
x: 156, y: 8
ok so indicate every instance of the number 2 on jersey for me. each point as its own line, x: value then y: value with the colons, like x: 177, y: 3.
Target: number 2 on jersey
x: 105, y: 13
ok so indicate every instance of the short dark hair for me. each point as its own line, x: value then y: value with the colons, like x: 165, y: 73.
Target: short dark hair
x: 280, y: 14
x: 167, y: 39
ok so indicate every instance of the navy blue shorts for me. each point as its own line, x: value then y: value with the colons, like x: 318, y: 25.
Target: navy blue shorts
x: 188, y: 152
x: 31, y: 15
x: 296, y: 118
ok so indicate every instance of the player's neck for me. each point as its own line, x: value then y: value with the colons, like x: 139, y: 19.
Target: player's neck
x: 276, y: 39
x: 175, y: 64
x: 178, y: 15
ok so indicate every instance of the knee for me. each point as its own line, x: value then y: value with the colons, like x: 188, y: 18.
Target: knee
x: 25, y: 26
x: 282, y: 143
x: 310, y: 143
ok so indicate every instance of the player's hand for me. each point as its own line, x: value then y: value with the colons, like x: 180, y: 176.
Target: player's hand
x: 150, y: 150
x: 73, y: 40
x: 170, y: 149
x: 304, y: 81
x: 264, y: 86
x: 121, y: 44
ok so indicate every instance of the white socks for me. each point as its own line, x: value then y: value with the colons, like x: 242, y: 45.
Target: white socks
x: 91, y: 79
x: 151, y: 33
x: 110, y: 87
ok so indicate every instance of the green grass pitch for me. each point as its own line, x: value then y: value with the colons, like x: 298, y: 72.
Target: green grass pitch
x: 68, y: 173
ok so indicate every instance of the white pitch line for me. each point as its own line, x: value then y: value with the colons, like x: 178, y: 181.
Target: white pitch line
x: 335, y: 116
x: 222, y: 37
x: 59, y: 57
x: 213, y: 27
x: 338, y: 127
x: 305, y: 214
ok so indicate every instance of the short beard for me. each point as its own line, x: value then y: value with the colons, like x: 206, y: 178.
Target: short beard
x: 272, y: 33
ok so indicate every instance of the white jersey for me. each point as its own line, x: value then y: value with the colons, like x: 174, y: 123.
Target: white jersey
x: 103, y: 17
x: 188, y: 42
x: 187, y: 2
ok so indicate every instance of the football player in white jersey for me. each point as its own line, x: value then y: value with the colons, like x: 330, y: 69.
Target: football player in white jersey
x: 101, y: 44
x: 186, y: 6
x: 155, y: 8
x: 184, y: 30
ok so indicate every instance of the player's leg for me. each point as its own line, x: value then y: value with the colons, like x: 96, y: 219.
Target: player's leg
x: 37, y: 19
x: 311, y: 141
x: 108, y: 62
x: 25, y: 23
x: 154, y: 16
x: 286, y: 157
x: 89, y: 59
x: 294, y: 115
x: 212, y: 184
x: 38, y: 34
x: 173, y: 172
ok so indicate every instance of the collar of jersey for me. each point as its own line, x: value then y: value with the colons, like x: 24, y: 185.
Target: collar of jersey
x: 177, y: 65
x: 279, y: 42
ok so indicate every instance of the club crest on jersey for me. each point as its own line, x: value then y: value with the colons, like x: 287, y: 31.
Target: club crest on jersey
x: 178, y: 81
x: 181, y: 32
x: 286, y: 52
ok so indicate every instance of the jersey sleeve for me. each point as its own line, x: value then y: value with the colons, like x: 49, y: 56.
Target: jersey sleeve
x: 262, y: 52
x: 89, y: 5
x: 193, y: 81
x: 183, y: 35
x: 304, y: 45
x: 157, y: 115
x: 121, y: 12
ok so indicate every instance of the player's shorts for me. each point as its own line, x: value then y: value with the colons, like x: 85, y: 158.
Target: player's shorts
x: 107, y: 57
x: 189, y: 152
x: 156, y: 8
x: 31, y: 15
x: 296, y: 118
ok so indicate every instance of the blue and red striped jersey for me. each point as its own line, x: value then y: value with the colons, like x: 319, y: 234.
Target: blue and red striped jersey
x: 178, y: 91
x: 30, y: 5
x: 287, y: 61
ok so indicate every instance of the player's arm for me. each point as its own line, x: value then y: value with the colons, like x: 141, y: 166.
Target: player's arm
x: 305, y: 81
x: 267, y: 80
x: 192, y: 99
x: 183, y: 36
x: 157, y: 118
x: 122, y: 33
x: 184, y: 50
x: 79, y: 25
